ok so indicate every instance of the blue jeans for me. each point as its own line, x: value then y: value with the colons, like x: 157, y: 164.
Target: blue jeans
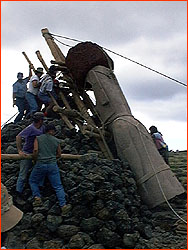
x: 25, y: 165
x: 44, y: 98
x: 22, y: 105
x: 33, y: 106
x: 50, y: 170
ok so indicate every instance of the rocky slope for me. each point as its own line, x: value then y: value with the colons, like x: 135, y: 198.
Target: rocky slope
x: 106, y: 209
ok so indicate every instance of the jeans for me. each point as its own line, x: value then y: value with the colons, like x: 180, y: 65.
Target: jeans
x: 44, y: 98
x: 164, y: 153
x: 50, y: 170
x: 25, y: 165
x: 22, y: 105
x: 33, y: 106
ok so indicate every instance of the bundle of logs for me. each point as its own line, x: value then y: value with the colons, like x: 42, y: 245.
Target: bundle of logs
x: 74, y: 108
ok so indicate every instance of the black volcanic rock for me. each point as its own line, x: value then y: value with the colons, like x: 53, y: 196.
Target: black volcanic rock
x: 107, y: 211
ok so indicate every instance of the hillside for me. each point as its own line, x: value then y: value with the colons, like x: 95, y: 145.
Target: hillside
x: 178, y: 163
x: 107, y: 211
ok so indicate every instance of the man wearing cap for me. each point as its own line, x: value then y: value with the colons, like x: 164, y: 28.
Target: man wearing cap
x: 19, y: 92
x: 10, y: 215
x: 46, y: 151
x: 32, y: 92
x: 29, y: 134
x: 46, y: 88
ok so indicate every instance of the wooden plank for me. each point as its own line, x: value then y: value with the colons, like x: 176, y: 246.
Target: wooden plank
x: 59, y: 57
x: 63, y: 117
x: 56, y: 52
x: 15, y: 157
x: 27, y: 58
x: 41, y: 60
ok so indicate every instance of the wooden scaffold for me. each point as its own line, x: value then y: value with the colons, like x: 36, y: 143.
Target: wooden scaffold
x: 84, y: 109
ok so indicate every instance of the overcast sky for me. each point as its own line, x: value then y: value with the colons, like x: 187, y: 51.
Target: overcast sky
x: 153, y: 33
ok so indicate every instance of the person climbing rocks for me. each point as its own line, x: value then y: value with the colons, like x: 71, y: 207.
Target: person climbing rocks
x: 29, y: 134
x: 46, y: 151
x: 159, y: 142
x: 32, y: 92
x: 46, y: 88
x: 19, y: 92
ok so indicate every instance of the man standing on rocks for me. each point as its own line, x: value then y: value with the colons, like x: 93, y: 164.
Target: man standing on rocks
x: 46, y: 151
x: 32, y: 92
x: 19, y: 92
x: 46, y: 88
x: 29, y: 134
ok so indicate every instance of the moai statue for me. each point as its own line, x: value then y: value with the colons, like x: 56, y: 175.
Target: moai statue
x: 92, y: 68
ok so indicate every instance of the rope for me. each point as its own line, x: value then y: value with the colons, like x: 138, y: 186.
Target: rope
x: 161, y: 189
x: 8, y: 120
x: 62, y: 43
x: 133, y: 61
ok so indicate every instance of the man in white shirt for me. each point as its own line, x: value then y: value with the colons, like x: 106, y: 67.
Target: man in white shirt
x: 32, y: 92
x: 46, y: 88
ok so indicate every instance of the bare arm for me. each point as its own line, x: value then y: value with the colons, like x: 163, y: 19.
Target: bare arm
x: 19, y: 145
x: 58, y: 153
x: 36, y: 149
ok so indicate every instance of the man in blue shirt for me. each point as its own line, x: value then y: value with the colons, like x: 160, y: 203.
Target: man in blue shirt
x: 29, y: 134
x: 19, y: 91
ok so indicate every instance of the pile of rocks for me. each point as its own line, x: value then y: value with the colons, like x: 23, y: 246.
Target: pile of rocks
x: 106, y: 209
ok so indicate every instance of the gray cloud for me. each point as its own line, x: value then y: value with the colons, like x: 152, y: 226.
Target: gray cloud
x: 152, y: 90
x: 112, y: 22
x: 153, y: 33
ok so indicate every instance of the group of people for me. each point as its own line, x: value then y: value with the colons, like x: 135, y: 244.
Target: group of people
x: 45, y: 147
x: 29, y: 99
x: 42, y: 144
x: 40, y: 141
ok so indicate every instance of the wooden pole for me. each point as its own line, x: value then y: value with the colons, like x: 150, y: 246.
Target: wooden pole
x: 89, y: 103
x: 41, y: 60
x: 56, y: 52
x: 74, y: 114
x: 63, y: 117
x: 59, y: 63
x: 15, y: 157
x: 59, y: 57
x: 68, y: 107
x: 91, y: 134
x: 27, y: 58
x: 64, y: 99
x: 67, y: 112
